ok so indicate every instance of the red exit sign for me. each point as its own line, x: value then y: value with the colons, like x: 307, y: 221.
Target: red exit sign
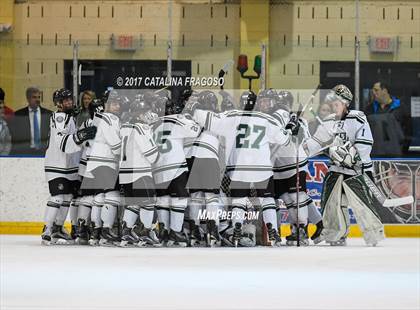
x: 124, y: 43
x: 382, y: 44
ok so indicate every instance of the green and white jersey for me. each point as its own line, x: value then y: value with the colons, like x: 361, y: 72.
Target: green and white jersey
x: 169, y: 136
x: 248, y: 136
x: 352, y: 127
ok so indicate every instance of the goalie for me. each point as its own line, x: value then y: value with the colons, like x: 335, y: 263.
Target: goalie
x: 348, y: 138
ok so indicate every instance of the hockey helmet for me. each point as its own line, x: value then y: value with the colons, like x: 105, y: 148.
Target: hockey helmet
x: 285, y: 99
x: 247, y: 100
x: 96, y: 106
x: 341, y: 93
x: 207, y: 100
x: 266, y: 100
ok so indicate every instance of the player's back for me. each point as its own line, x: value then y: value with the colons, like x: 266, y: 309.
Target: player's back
x: 169, y: 136
x: 104, y: 149
x: 138, y: 152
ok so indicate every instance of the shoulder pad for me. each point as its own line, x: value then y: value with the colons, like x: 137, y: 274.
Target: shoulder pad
x: 180, y: 116
x: 357, y: 113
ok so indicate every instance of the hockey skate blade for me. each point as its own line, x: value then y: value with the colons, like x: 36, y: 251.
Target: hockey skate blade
x: 46, y: 242
x: 60, y: 241
x: 318, y: 240
x: 172, y: 244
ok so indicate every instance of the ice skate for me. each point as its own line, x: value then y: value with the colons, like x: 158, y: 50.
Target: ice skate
x: 83, y: 234
x: 318, y: 237
x: 273, y: 235
x: 46, y: 236
x: 237, y: 234
x: 95, y: 236
x: 163, y: 234
x: 60, y: 236
x: 148, y: 238
x: 213, y: 237
x: 292, y: 240
x: 177, y: 239
x: 341, y: 242
x: 128, y: 236
x: 196, y: 238
x: 109, y: 238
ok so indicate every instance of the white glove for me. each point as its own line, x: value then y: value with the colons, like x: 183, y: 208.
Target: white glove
x: 149, y: 117
x: 344, y: 155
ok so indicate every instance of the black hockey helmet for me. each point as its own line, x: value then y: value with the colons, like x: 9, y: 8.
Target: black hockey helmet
x: 247, y: 100
x: 266, y: 100
x: 207, y: 100
x: 341, y: 93
x: 59, y: 96
x: 285, y: 100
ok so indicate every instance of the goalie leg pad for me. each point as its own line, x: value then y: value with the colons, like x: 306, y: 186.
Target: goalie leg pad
x: 334, y: 218
x: 363, y: 203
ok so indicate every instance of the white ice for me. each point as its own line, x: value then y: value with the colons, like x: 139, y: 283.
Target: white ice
x: 315, y: 277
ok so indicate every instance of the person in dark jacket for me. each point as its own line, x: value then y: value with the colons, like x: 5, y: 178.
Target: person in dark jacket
x: 390, y: 122
x: 30, y: 126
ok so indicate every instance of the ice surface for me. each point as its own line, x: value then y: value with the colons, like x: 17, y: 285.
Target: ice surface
x: 315, y: 277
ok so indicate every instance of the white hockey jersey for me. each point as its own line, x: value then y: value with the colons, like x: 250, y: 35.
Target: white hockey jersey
x: 104, y: 150
x: 85, y: 146
x: 352, y: 127
x: 62, y: 155
x: 248, y: 135
x: 138, y: 152
x: 283, y: 157
x: 169, y: 136
x: 205, y: 146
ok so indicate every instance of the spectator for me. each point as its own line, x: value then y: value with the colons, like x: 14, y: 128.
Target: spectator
x: 324, y: 110
x: 86, y: 98
x: 390, y: 122
x: 30, y: 126
x: 5, y: 139
x: 8, y: 112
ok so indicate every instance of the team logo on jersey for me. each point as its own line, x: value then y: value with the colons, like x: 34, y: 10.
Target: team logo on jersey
x: 60, y: 186
x: 59, y: 119
x: 285, y: 114
x: 113, y: 117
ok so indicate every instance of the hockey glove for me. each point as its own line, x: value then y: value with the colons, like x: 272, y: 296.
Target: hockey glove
x: 84, y: 134
x: 293, y: 125
x: 344, y: 155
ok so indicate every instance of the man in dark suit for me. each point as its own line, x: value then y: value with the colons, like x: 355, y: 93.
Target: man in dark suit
x: 30, y: 126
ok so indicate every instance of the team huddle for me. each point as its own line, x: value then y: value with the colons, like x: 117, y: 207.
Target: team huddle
x: 143, y: 168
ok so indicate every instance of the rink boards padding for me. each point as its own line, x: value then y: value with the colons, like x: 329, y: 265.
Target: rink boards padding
x: 24, y: 192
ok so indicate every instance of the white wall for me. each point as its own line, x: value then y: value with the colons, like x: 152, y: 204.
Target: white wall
x: 23, y: 189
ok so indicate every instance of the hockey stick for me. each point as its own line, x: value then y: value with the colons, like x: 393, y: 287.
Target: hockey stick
x: 299, y: 114
x: 225, y: 70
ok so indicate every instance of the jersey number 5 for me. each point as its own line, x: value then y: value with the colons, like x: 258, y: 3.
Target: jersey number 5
x: 242, y: 140
x: 162, y: 141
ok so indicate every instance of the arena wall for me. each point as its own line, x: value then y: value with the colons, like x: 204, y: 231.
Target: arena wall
x: 24, y: 192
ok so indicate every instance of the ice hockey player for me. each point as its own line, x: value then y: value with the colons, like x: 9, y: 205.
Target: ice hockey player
x: 248, y: 134
x: 61, y: 166
x: 170, y: 172
x: 284, y: 167
x: 138, y: 152
x: 204, y: 179
x: 102, y: 165
x: 347, y: 182
x: 87, y: 194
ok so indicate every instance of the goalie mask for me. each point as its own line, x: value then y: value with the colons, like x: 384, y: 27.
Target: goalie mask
x: 341, y: 93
